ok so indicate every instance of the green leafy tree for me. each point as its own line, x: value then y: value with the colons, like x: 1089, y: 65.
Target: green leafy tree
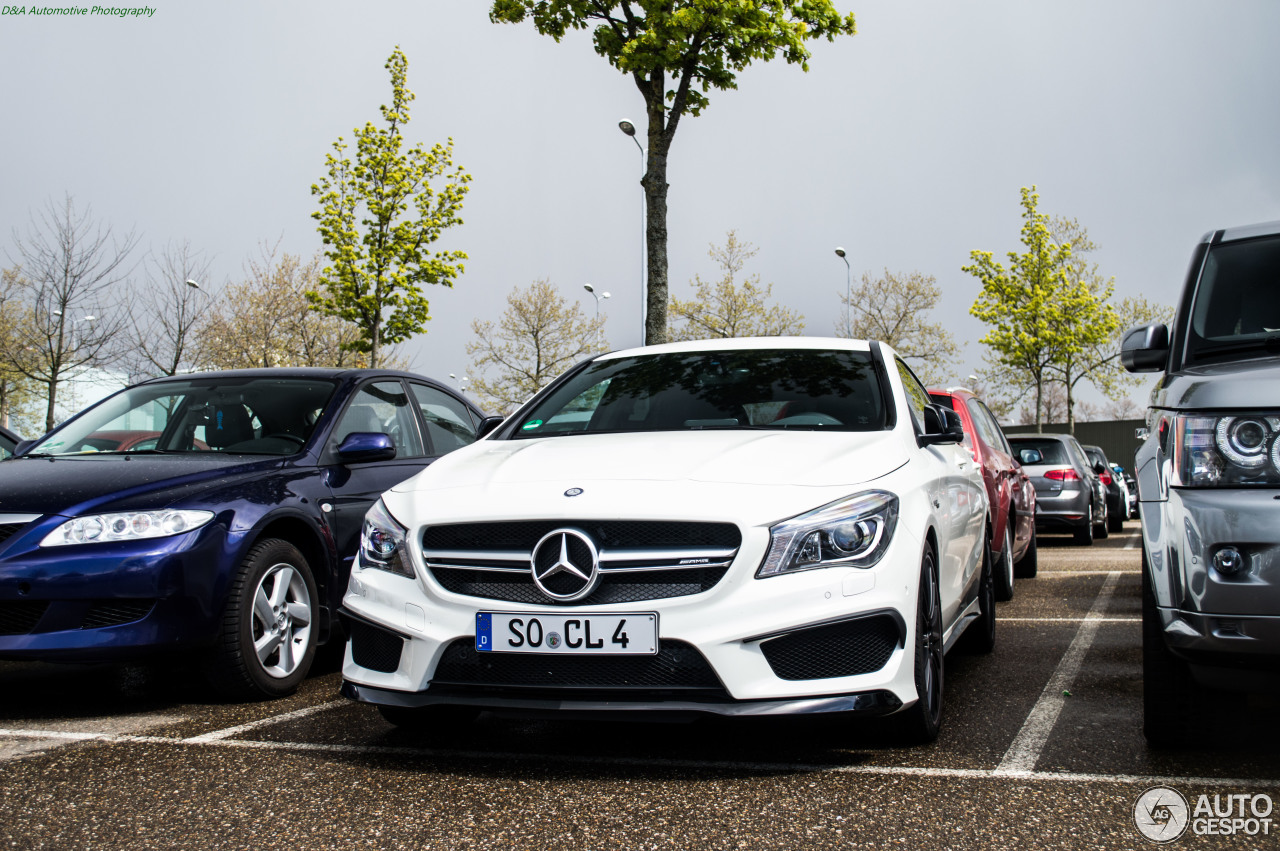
x: 895, y: 308
x: 676, y: 52
x: 378, y: 216
x: 1038, y: 316
x: 724, y: 308
x: 538, y: 336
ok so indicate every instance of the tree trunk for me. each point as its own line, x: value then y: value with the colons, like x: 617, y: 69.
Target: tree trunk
x: 655, y: 194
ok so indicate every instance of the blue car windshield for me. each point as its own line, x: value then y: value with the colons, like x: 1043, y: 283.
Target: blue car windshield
x: 813, y: 389
x: 255, y: 416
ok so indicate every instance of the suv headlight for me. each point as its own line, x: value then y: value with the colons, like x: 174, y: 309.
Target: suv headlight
x: 382, y: 542
x: 1226, y: 450
x: 125, y: 526
x: 852, y: 532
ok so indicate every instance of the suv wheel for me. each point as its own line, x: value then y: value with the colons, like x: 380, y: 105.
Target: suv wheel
x: 921, y: 723
x: 1170, y: 697
x: 268, y: 638
x: 1084, y: 534
x: 1004, y: 568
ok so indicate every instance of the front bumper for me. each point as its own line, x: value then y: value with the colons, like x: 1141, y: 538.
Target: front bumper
x: 721, y: 633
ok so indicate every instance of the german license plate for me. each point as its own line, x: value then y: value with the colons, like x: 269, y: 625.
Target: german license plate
x: 632, y: 634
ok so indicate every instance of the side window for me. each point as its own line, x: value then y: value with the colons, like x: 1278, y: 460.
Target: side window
x: 448, y: 421
x: 382, y: 407
x: 1003, y: 442
x: 986, y: 430
x: 917, y: 397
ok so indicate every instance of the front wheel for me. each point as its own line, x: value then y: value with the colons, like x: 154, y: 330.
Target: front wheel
x: 268, y: 638
x: 980, y: 635
x: 921, y: 723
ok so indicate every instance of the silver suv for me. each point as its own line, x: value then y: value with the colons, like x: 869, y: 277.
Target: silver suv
x: 1209, y: 484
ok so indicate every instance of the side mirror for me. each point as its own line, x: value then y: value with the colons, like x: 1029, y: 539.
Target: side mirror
x: 1099, y: 468
x: 487, y: 425
x: 1145, y: 348
x: 941, y: 426
x: 366, y: 446
x: 1030, y: 457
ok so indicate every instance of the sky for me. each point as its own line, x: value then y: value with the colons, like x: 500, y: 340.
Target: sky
x: 1151, y: 122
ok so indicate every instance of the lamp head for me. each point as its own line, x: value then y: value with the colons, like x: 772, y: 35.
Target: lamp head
x: 194, y: 285
x: 588, y: 288
x: 839, y: 252
x: 627, y: 127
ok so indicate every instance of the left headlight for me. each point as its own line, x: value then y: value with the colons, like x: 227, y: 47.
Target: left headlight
x: 125, y: 526
x: 1226, y: 450
x: 382, y: 542
x: 852, y: 532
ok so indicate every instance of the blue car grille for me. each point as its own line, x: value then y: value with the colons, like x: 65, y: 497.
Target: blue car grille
x: 19, y: 617
x: 115, y: 612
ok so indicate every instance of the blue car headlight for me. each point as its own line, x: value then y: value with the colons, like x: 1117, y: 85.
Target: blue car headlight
x: 126, y: 526
x: 382, y: 542
x: 851, y: 532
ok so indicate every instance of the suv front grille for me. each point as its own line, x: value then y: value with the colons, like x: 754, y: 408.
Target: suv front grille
x: 639, y: 560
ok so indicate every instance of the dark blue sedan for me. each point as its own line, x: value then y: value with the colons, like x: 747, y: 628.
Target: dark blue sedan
x: 215, y: 514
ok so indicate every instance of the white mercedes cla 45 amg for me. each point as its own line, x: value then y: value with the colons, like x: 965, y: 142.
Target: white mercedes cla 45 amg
x: 737, y: 527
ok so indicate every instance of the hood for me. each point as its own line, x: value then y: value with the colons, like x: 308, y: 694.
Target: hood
x: 77, y: 484
x: 766, y: 474
x: 1249, y: 384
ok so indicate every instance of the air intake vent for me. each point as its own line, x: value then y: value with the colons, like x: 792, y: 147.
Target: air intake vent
x: 375, y: 649
x: 115, y: 612
x: 842, y: 649
x: 19, y: 617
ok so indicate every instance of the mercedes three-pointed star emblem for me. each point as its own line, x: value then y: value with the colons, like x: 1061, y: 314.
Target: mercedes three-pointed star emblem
x: 565, y: 565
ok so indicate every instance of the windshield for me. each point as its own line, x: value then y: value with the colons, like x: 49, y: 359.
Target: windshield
x: 752, y: 388
x: 1237, y: 308
x: 257, y: 416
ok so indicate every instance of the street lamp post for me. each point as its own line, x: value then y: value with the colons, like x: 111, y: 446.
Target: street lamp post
x: 848, y: 292
x: 599, y: 297
x: 630, y: 129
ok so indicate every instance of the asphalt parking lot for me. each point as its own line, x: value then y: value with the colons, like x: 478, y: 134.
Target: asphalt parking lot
x: 1041, y: 747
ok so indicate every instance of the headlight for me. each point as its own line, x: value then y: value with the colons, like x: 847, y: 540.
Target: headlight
x: 125, y: 526
x: 853, y: 532
x: 382, y: 542
x: 1226, y: 451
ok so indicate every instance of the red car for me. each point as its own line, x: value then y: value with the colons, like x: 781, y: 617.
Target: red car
x: 1010, y: 492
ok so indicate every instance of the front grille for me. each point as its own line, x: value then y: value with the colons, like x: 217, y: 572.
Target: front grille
x: 19, y: 617
x: 115, y: 612
x: 639, y: 559
x: 375, y: 649
x: 677, y: 666
x: 8, y: 530
x: 842, y: 649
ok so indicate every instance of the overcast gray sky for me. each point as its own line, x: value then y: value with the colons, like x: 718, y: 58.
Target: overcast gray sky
x: 1150, y: 121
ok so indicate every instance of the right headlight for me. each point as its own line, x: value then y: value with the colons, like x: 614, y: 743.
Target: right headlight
x: 852, y: 532
x: 382, y: 542
x: 1226, y: 450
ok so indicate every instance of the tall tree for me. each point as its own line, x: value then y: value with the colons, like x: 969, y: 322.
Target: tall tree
x: 676, y: 52
x: 724, y: 308
x: 895, y: 308
x: 71, y: 270
x: 264, y: 320
x: 378, y: 215
x: 538, y: 336
x: 166, y: 313
x: 16, y: 390
x: 1031, y: 309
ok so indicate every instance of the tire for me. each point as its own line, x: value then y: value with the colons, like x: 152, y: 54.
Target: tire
x: 1115, y: 520
x: 1027, y: 566
x: 1171, y: 699
x: 1100, y: 525
x: 980, y: 636
x: 1084, y: 534
x: 920, y: 723
x: 269, y: 625
x: 1003, y: 569
x: 444, y: 719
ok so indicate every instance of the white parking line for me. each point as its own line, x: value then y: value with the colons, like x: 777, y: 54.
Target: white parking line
x: 652, y: 762
x: 1067, y: 620
x: 1022, y: 755
x: 219, y: 735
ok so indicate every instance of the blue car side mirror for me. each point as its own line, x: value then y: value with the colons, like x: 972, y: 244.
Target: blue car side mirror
x: 366, y: 446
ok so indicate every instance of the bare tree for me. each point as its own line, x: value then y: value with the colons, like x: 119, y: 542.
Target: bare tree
x: 895, y: 309
x: 724, y: 308
x: 70, y: 269
x: 165, y: 317
x: 536, y: 338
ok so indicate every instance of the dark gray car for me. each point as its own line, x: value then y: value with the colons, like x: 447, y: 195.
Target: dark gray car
x: 1117, y: 492
x: 1209, y: 487
x: 1069, y: 495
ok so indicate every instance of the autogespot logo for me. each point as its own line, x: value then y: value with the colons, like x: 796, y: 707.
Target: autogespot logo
x: 1161, y: 814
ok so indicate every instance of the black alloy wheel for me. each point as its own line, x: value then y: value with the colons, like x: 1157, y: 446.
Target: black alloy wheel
x: 980, y: 635
x: 921, y: 722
